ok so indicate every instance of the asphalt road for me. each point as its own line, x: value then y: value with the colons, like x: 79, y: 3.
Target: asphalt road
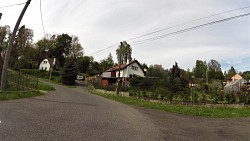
x: 72, y: 114
x: 69, y: 114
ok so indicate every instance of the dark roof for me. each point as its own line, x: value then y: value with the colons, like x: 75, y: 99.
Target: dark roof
x: 50, y: 61
x: 117, y: 67
x: 227, y: 79
x: 114, y: 68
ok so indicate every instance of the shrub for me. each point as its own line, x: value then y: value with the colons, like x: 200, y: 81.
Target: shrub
x: 69, y: 73
x: 231, y: 98
x: 36, y: 72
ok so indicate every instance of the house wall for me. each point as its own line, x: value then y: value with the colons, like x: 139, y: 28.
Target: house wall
x: 234, y: 86
x: 236, y: 77
x: 104, y: 82
x: 106, y: 74
x: 44, y: 65
x: 132, y: 69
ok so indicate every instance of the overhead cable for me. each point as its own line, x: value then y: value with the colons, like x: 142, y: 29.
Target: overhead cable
x: 6, y: 6
x: 213, y: 15
x: 42, y: 17
x: 177, y: 32
x: 188, y: 29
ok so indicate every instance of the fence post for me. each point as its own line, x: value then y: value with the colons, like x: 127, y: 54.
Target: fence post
x: 37, y: 82
x: 18, y: 79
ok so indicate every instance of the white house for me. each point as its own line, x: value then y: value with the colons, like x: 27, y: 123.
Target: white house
x: 127, y: 71
x: 234, y: 84
x: 46, y: 64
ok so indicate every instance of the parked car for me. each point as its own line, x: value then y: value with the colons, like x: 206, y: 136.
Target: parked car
x: 79, y: 77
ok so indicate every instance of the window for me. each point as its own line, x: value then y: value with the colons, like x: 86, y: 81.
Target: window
x: 134, y: 68
x: 45, y: 62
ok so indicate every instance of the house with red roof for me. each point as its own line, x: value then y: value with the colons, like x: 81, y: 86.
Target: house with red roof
x: 127, y: 71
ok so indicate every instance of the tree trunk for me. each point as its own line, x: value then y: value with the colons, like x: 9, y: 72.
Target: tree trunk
x: 1, y: 65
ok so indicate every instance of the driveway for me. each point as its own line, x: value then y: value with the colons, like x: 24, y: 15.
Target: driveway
x: 74, y: 114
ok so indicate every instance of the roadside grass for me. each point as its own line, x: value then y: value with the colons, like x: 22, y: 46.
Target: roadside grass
x: 215, y: 112
x: 14, y: 93
x: 45, y: 87
x: 18, y: 95
x: 59, y: 83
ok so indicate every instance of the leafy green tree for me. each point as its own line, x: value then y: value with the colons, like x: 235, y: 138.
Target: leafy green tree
x: 42, y: 48
x: 215, y: 70
x: 155, y: 71
x: 76, y: 49
x: 178, y: 85
x: 94, y: 68
x: 144, y: 66
x: 107, y: 63
x: 246, y: 75
x: 69, y: 72
x: 219, y: 75
x: 26, y: 61
x: 200, y: 69
x: 22, y: 41
x: 215, y: 65
x: 231, y: 72
x: 61, y: 49
x: 83, y: 64
x: 123, y: 53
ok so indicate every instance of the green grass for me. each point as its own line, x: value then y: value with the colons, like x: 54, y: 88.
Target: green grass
x: 218, y: 112
x: 45, y: 87
x: 59, y: 83
x: 18, y: 95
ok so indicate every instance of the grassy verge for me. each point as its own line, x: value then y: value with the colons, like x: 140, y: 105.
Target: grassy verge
x: 18, y: 95
x: 218, y: 112
x: 45, y: 87
x: 59, y: 83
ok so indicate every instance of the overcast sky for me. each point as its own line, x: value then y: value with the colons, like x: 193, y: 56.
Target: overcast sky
x: 100, y: 24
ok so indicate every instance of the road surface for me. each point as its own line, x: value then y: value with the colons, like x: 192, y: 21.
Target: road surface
x: 72, y: 114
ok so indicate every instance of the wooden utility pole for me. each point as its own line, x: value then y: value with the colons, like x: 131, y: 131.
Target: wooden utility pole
x: 7, y: 56
x: 119, y: 72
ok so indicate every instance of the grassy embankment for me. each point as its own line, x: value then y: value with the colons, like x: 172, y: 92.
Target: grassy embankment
x: 8, y: 95
x: 214, y: 112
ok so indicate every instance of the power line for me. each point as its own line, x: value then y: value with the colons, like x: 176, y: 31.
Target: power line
x: 12, y: 5
x: 104, y: 49
x: 188, y: 22
x: 42, y: 16
x: 188, y: 29
x: 177, y: 32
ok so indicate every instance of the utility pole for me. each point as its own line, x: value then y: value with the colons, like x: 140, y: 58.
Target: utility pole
x: 207, y: 74
x: 0, y: 15
x: 7, y: 56
x: 119, y: 72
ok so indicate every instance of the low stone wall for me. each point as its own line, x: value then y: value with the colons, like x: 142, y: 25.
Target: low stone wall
x: 126, y: 94
x: 238, y: 105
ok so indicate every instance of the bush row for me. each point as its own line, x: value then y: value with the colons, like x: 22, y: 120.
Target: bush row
x: 40, y: 73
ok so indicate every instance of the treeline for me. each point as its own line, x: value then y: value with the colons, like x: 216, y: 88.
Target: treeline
x: 204, y: 84
x: 27, y: 54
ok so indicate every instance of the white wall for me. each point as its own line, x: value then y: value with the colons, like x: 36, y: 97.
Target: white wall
x: 44, y: 65
x: 106, y: 74
x: 132, y: 69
